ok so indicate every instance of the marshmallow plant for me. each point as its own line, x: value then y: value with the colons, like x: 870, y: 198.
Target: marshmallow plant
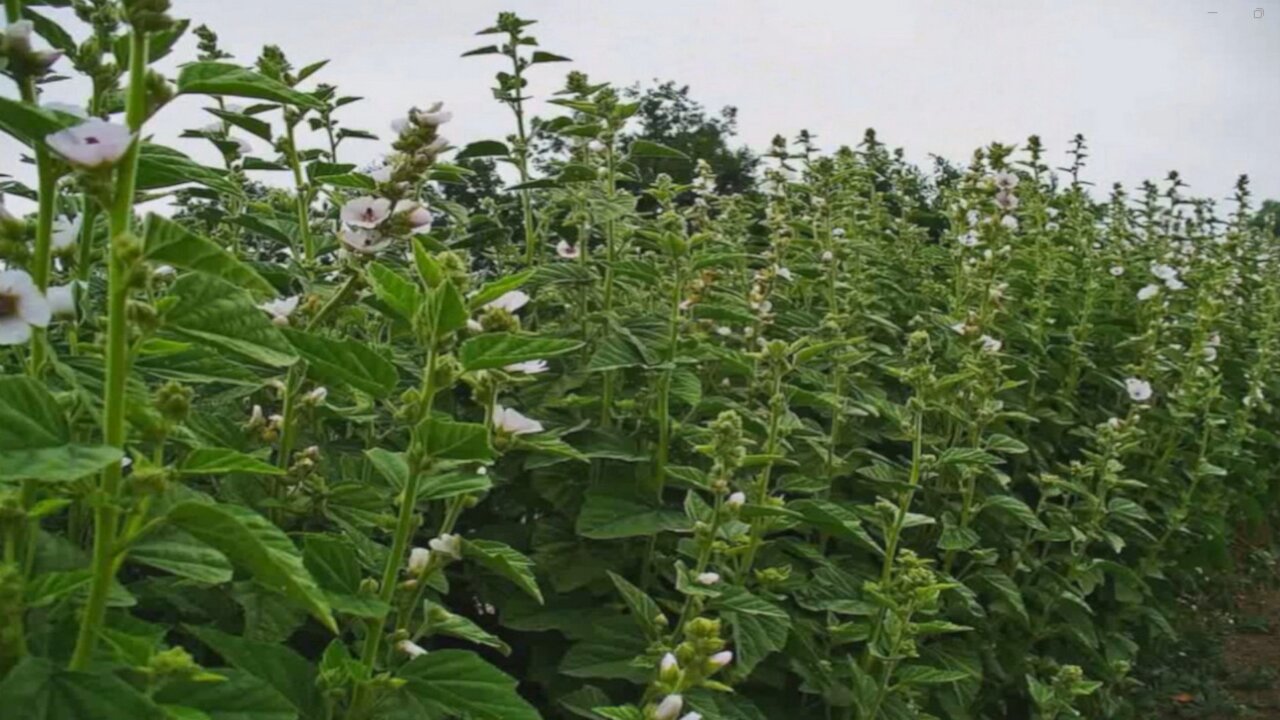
x: 376, y: 439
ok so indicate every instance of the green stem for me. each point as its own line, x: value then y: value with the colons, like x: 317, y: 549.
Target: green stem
x: 303, y: 206
x: 106, y: 515
x: 339, y: 297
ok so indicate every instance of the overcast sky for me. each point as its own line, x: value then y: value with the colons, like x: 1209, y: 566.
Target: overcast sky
x: 1154, y: 85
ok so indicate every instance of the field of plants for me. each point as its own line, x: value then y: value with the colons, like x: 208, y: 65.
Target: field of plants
x: 597, y: 433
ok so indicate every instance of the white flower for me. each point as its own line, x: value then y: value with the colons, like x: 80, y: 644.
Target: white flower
x: 1005, y: 180
x: 417, y: 214
x: 510, y: 301
x: 1117, y: 270
x: 736, y: 500
x: 22, y: 305
x: 668, y: 664
x: 418, y: 559
x: 1164, y: 272
x: 213, y: 128
x: 1148, y: 292
x: 281, y: 309
x: 1010, y: 222
x: 66, y: 109
x: 381, y: 174
x: 62, y: 299
x: 366, y: 211
x: 724, y: 331
x: 256, y: 417
x: 474, y: 325
x: 1175, y: 284
x: 969, y: 239
x: 448, y: 545
x: 513, y: 422
x: 960, y: 328
x: 433, y: 116
x: 596, y: 146
x: 66, y: 232
x: 972, y: 217
x: 708, y: 578
x: 363, y: 241
x: 828, y: 256
x: 721, y: 659
x: 93, y: 143
x: 567, y: 250
x: 1210, y: 352
x: 1052, y: 227
x: 784, y: 273
x: 1139, y: 390
x: 990, y: 344
x: 528, y: 367
x: 1215, y: 340
x: 317, y: 396
x: 411, y: 648
x: 1006, y: 200
x: 438, y: 145
x: 669, y: 708
x: 838, y: 232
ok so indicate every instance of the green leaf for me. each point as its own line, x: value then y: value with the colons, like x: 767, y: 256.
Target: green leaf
x: 448, y: 309
x: 451, y: 484
x: 218, y: 78
x: 35, y: 440
x: 392, y: 288
x: 221, y: 461
x: 646, y: 148
x: 392, y: 465
x: 540, y: 56
x: 442, y: 622
x: 177, y: 552
x: 495, y: 350
x: 615, y: 352
x: 348, y: 362
x: 495, y: 289
x: 1004, y: 589
x: 756, y: 636
x: 248, y: 123
x: 1005, y: 444
x: 39, y: 690
x: 458, y: 682
x: 278, y: 665
x: 835, y: 520
x: 240, y: 696
x: 612, y: 512
x: 643, y: 609
x: 169, y: 243
x: 1015, y: 508
x: 967, y: 456
x: 740, y: 600
x: 505, y: 561
x: 721, y: 705
x: 333, y: 563
x: 450, y: 440
x: 483, y: 148
x: 214, y: 312
x: 254, y: 543
x: 162, y: 167
x: 925, y: 675
x: 29, y: 124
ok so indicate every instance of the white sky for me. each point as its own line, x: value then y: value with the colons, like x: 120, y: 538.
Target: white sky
x: 1154, y: 85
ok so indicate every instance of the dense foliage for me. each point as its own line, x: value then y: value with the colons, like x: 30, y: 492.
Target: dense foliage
x: 623, y: 439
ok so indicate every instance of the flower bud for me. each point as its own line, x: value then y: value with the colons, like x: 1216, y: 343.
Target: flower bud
x: 736, y: 500
x: 419, y: 558
x: 669, y: 708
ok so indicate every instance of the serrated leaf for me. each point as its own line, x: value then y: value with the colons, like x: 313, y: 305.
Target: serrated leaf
x: 220, y: 78
x: 348, y: 362
x: 220, y: 461
x: 254, y: 543
x: 213, y: 312
x: 458, y: 682
x: 495, y: 350
x: 43, y: 691
x: 167, y: 242
x: 505, y: 561
x: 179, y: 553
x: 443, y: 439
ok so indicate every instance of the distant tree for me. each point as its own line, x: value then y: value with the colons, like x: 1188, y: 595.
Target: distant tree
x: 670, y: 116
x: 1267, y: 218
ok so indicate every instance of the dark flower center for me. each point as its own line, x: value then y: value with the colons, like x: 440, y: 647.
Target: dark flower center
x: 8, y: 305
x: 91, y: 140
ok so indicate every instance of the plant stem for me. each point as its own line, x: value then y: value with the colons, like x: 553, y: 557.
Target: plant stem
x: 303, y: 206
x: 106, y: 515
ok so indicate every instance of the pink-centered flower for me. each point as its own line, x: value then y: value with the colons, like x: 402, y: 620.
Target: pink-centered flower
x: 22, y: 306
x: 366, y: 211
x: 94, y: 143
